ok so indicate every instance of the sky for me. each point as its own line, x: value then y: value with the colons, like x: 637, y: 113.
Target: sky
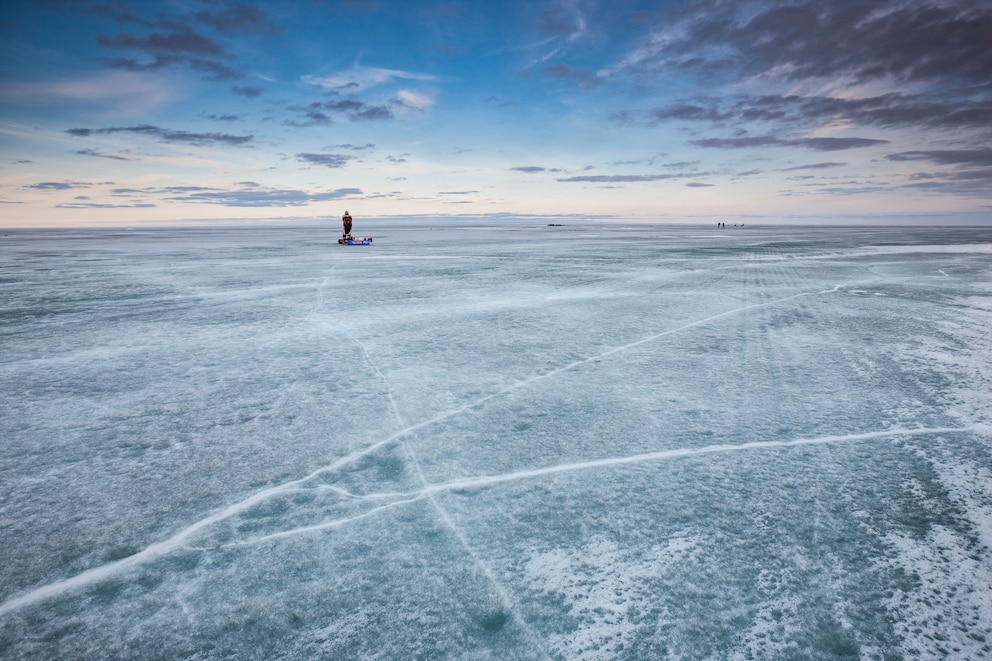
x: 115, y: 112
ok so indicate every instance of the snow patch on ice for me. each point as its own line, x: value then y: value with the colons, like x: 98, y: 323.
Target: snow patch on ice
x: 602, y: 586
x: 949, y: 614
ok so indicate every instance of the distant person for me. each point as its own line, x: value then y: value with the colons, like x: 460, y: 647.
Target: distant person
x: 346, y: 222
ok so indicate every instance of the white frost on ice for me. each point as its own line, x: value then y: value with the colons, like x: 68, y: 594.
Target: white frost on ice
x: 602, y: 586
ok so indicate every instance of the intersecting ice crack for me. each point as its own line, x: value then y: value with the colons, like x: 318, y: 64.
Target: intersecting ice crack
x: 182, y: 538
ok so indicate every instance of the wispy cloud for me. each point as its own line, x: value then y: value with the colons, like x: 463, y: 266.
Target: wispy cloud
x: 97, y: 154
x: 813, y: 166
x: 168, y: 135
x: 360, y: 78
x: 415, y: 100
x: 818, y: 144
x: 122, y: 93
x: 620, y: 178
x: 242, y: 194
x: 981, y: 156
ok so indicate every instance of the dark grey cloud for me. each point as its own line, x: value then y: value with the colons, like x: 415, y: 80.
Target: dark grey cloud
x: 163, y: 35
x: 741, y: 143
x: 933, y: 58
x: 368, y: 146
x: 529, y: 169
x: 246, y: 91
x: 55, y: 185
x: 168, y: 135
x: 358, y: 110
x: 313, y: 116
x: 817, y: 144
x: 887, y: 111
x: 355, y: 110
x: 921, y: 42
x: 814, y: 166
x: 696, y: 184
x: 93, y: 152
x: 327, y: 160
x: 686, y: 111
x: 837, y: 144
x: 183, y: 42
x: 211, y: 69
x: 980, y: 157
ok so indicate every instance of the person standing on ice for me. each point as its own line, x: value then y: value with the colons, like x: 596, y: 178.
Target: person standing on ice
x: 346, y: 222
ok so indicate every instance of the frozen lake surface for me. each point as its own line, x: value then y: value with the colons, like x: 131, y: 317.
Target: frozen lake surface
x: 527, y: 442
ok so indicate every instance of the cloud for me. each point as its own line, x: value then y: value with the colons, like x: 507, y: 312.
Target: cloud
x: 174, y: 37
x: 243, y: 194
x: 814, y: 166
x: 818, y: 144
x: 183, y: 41
x: 168, y: 135
x: 243, y: 19
x: 56, y: 185
x: 837, y: 144
x: 212, y: 70
x: 327, y: 160
x: 360, y: 78
x: 774, y: 71
x: 414, y: 100
x: 93, y: 152
x: 354, y: 109
x: 127, y: 93
x: 619, y: 178
x: 79, y: 204
x: 922, y: 42
x: 980, y: 157
x: 587, y: 79
x: 687, y: 111
x: 529, y: 169
x: 264, y: 197
x: 368, y: 146
x: 246, y: 91
x: 892, y: 110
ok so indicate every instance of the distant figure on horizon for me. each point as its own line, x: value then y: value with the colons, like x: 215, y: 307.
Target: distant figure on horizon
x: 346, y: 222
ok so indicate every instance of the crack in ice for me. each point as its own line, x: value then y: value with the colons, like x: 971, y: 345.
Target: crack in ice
x: 179, y: 540
x: 606, y: 462
x: 506, y: 601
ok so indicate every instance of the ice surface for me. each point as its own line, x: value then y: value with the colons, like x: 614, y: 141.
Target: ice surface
x: 578, y: 442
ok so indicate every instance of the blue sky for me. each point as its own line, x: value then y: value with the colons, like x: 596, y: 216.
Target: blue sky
x: 128, y: 112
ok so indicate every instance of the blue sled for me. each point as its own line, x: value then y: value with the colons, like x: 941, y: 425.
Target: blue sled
x: 363, y: 241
